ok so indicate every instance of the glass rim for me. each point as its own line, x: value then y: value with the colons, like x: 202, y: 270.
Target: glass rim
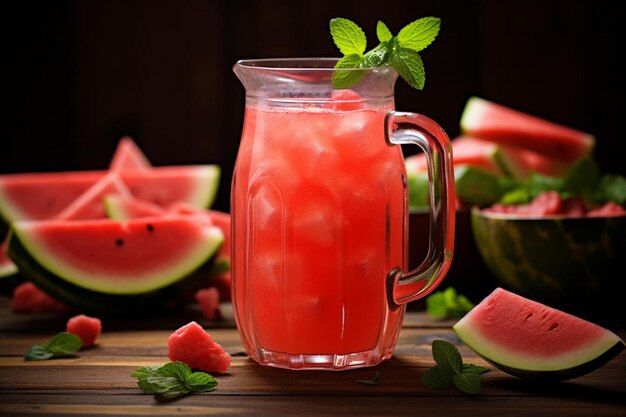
x: 301, y: 64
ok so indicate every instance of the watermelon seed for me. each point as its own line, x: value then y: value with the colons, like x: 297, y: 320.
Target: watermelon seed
x: 150, y: 227
x: 119, y: 242
x: 553, y: 326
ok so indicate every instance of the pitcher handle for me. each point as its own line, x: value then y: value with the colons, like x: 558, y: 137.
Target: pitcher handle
x: 411, y: 128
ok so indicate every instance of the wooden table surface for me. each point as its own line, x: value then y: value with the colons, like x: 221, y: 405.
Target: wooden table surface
x: 97, y: 380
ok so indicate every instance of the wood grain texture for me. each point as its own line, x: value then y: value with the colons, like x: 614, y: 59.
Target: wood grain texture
x: 97, y: 380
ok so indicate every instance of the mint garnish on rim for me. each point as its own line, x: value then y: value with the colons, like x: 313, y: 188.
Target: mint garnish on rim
x: 400, y: 52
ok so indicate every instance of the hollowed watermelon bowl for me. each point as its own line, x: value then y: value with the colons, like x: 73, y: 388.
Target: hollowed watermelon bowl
x: 576, y: 262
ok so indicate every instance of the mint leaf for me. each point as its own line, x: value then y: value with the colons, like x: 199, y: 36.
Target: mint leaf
x: 451, y: 371
x: 382, y: 32
x: 468, y: 367
x: 65, y: 343
x: 345, y: 79
x: 419, y: 34
x: 583, y: 178
x: 348, y: 36
x: 171, y: 380
x: 409, y: 65
x: 62, y: 344
x: 38, y: 353
x: 447, y: 304
x: 438, y: 377
x: 374, y: 381
x: 399, y: 52
x: 468, y: 382
x: 201, y: 382
x: 613, y: 188
x: 447, y: 356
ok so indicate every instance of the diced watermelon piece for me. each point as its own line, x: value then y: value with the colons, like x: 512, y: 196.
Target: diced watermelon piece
x: 607, y: 210
x: 195, y: 347
x: 209, y: 301
x: 85, y: 327
x: 27, y: 298
x: 128, y: 156
x: 486, y: 120
x: 547, y: 203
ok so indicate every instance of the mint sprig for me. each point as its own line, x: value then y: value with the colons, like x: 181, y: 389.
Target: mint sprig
x: 400, y: 52
x: 172, y: 380
x: 62, y: 344
x: 450, y: 371
x: 447, y: 304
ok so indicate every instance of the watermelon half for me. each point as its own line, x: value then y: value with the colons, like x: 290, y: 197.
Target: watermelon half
x: 497, y: 123
x: 111, y: 266
x: 531, y: 340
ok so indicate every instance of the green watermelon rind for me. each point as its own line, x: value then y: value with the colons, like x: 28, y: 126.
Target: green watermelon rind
x: 25, y: 249
x: 209, y: 180
x: 557, y: 259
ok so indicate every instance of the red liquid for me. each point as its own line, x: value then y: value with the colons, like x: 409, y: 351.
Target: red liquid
x: 319, y: 219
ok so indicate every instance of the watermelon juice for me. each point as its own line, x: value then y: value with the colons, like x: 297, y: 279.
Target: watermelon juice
x: 319, y: 219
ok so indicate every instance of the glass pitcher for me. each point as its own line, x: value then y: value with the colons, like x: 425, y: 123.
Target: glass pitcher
x: 319, y: 210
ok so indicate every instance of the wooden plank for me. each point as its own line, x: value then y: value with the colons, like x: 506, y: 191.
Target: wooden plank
x: 211, y: 404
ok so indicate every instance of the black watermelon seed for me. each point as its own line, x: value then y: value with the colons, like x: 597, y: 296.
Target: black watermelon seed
x: 119, y: 242
x: 150, y: 227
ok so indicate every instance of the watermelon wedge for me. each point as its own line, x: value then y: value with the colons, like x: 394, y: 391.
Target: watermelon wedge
x: 43, y: 196
x: 128, y: 157
x: 111, y: 266
x: 465, y: 151
x: 493, y: 122
x: 89, y: 204
x: 531, y: 340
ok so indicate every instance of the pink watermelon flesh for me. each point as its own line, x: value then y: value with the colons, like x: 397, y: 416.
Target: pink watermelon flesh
x: 209, y: 301
x: 27, y: 298
x: 128, y: 156
x: 465, y: 151
x: 85, y: 327
x: 43, y: 196
x: 120, y: 257
x: 89, y: 204
x: 195, y: 347
x: 496, y: 123
x: 529, y: 339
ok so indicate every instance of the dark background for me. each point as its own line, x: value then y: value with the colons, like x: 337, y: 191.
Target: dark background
x: 80, y: 74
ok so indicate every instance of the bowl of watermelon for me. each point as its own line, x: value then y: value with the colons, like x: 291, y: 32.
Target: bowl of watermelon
x: 534, y: 212
x: 559, y: 250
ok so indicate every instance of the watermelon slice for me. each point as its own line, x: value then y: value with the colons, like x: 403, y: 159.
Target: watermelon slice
x: 128, y: 156
x: 465, y: 151
x: 43, y: 196
x: 89, y: 204
x: 496, y: 123
x: 530, y: 340
x: 7, y: 267
x: 111, y: 266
